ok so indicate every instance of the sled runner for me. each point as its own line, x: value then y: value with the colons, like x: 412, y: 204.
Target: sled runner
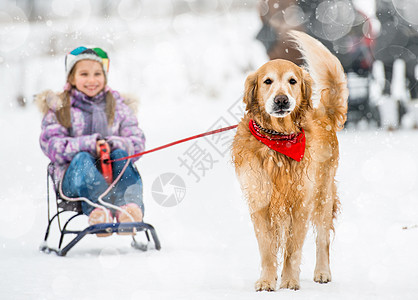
x: 57, y: 208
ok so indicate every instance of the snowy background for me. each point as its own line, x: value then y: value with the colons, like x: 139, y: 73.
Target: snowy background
x: 187, y: 63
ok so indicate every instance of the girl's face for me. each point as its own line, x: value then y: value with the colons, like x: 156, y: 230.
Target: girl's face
x: 88, y: 77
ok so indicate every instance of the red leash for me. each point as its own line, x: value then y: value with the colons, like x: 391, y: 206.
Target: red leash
x: 175, y: 143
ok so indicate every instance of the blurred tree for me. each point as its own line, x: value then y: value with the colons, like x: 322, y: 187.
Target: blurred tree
x: 30, y: 8
x: 273, y: 33
x: 337, y: 24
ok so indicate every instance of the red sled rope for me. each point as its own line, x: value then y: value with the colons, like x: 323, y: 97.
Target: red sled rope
x: 176, y: 142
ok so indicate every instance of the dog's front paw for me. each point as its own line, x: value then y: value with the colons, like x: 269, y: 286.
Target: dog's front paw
x: 292, y: 284
x: 322, y: 277
x: 265, y: 285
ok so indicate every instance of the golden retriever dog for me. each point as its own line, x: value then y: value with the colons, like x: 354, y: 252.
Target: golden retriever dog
x: 286, y: 154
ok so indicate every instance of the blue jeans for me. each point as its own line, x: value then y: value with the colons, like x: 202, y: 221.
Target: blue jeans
x: 83, y: 179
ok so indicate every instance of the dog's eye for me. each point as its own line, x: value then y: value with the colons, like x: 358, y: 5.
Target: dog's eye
x: 268, y: 81
x: 292, y: 81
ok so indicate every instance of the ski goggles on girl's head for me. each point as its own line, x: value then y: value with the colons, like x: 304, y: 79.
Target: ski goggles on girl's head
x: 98, y: 51
x: 80, y: 53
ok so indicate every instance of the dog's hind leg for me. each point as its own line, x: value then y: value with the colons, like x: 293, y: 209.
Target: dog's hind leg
x: 268, y: 247
x: 324, y: 213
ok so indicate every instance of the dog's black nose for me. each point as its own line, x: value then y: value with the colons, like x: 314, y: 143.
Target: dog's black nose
x: 282, y: 101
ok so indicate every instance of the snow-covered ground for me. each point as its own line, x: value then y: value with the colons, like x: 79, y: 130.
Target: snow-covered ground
x: 189, y: 83
x: 208, y: 246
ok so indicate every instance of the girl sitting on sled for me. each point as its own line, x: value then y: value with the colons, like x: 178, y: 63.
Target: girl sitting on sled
x: 77, y: 122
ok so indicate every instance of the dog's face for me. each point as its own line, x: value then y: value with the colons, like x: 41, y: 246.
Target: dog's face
x: 278, y: 89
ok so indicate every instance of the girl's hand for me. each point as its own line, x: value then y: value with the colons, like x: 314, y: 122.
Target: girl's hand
x: 98, y: 144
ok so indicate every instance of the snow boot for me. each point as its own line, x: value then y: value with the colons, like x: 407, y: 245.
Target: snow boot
x: 131, y: 213
x: 97, y: 216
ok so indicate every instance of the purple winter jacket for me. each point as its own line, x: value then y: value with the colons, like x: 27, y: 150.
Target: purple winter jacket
x: 61, y: 144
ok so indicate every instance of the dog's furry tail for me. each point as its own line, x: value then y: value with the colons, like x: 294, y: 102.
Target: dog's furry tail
x: 330, y: 82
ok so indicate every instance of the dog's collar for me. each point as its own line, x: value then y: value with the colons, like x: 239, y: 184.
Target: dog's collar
x: 291, y: 145
x: 280, y: 135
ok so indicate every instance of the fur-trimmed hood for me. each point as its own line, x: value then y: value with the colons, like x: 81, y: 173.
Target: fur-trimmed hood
x: 50, y: 100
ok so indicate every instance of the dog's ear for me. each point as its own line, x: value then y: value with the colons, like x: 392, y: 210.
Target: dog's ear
x: 307, y: 88
x: 250, y: 90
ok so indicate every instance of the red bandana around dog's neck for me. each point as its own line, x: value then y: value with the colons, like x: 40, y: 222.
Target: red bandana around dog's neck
x: 292, y: 145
